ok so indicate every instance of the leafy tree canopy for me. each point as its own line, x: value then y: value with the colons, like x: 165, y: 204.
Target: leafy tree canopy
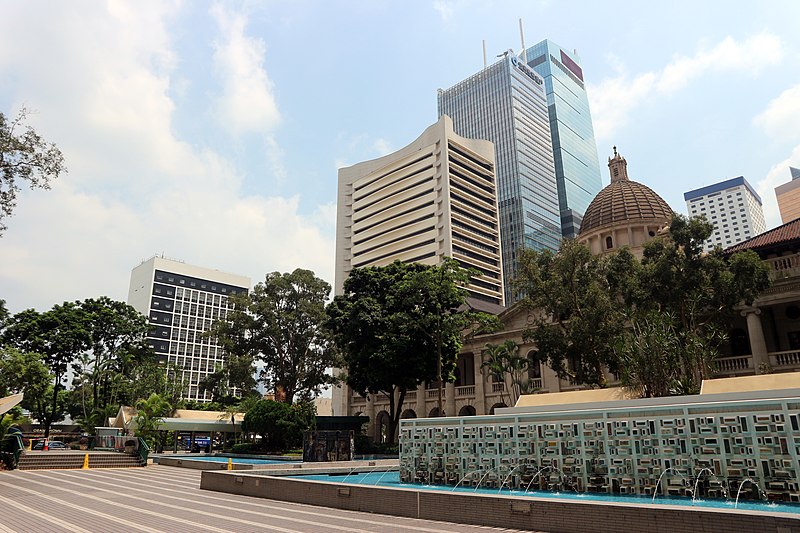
x: 576, y: 298
x: 394, y: 324
x: 280, y: 425
x: 655, y: 323
x: 279, y: 323
x: 24, y: 157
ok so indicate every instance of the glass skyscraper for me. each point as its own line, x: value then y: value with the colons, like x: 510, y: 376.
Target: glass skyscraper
x: 574, y: 149
x: 506, y: 103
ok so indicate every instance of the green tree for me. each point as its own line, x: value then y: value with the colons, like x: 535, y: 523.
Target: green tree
x: 279, y: 424
x: 60, y: 335
x: 401, y: 325
x: 24, y: 157
x: 150, y: 414
x: 699, y: 291
x: 117, y: 334
x: 577, y: 299
x: 279, y: 323
x: 23, y: 372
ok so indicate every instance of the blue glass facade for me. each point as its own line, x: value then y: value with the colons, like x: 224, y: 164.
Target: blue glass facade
x: 506, y: 104
x: 574, y: 149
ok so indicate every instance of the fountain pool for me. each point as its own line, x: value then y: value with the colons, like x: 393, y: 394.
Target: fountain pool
x: 392, y: 480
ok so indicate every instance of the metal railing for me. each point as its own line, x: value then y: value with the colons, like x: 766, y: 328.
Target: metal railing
x: 143, y: 450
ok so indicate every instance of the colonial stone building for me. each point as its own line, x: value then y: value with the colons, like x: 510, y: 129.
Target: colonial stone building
x: 764, y: 338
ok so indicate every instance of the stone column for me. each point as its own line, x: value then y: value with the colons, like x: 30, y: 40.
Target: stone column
x: 370, y: 412
x: 420, y: 408
x: 450, y: 399
x: 480, y: 384
x: 758, y: 346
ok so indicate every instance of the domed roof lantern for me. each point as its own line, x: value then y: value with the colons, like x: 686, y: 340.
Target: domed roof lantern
x: 617, y: 167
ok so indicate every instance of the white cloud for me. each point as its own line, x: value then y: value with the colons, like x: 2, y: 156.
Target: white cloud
x: 445, y: 10
x: 136, y: 186
x: 613, y: 99
x: 781, y: 121
x: 777, y: 175
x: 247, y: 103
x: 382, y: 147
x: 781, y: 118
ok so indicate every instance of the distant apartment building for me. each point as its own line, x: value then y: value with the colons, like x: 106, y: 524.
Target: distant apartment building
x: 788, y: 196
x: 506, y: 103
x: 574, y: 149
x: 181, y: 302
x: 733, y: 206
x: 435, y: 198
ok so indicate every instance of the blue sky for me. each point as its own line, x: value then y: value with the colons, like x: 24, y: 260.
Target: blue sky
x: 212, y: 131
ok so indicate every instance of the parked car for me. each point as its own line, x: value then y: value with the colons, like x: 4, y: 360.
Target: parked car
x: 52, y: 445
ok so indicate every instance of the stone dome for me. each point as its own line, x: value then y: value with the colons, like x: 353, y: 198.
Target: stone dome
x: 624, y: 200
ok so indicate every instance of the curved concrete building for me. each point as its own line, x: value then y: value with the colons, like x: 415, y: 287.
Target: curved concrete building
x: 435, y: 198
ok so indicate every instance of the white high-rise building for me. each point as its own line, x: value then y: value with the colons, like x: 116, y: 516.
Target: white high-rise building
x: 181, y: 302
x: 433, y: 199
x: 733, y: 206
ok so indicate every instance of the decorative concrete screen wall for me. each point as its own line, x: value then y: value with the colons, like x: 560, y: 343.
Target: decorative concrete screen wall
x: 713, y: 442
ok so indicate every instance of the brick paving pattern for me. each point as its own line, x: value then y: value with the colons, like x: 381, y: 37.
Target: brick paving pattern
x: 165, y: 499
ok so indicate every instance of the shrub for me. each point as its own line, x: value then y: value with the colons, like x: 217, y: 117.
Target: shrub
x: 245, y: 447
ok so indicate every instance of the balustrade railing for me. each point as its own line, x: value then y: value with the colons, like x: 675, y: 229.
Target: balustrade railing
x: 784, y: 267
x: 465, y: 390
x: 734, y: 365
x: 411, y: 396
x: 785, y: 360
x: 433, y: 394
x: 357, y: 398
x: 498, y: 386
x: 536, y: 383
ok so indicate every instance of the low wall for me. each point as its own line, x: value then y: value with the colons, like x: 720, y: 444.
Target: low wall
x: 198, y: 464
x: 500, y: 511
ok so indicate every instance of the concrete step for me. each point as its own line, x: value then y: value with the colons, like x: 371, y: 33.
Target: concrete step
x: 55, y: 460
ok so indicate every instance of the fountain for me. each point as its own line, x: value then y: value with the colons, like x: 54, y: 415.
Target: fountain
x: 538, y: 473
x: 463, y: 478
x: 482, y: 478
x: 348, y: 474
x: 741, y: 485
x: 697, y: 482
x: 655, y: 491
x: 381, y: 477
x: 508, y: 476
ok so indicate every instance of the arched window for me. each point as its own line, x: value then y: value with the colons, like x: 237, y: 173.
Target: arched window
x: 434, y: 412
x: 408, y: 413
x: 496, y: 406
x: 609, y: 243
x: 382, y: 422
x: 467, y: 410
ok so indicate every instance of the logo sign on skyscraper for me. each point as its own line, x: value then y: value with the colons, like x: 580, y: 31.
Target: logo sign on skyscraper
x: 524, y: 68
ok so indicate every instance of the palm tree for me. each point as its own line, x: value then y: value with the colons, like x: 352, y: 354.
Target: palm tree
x: 504, y: 361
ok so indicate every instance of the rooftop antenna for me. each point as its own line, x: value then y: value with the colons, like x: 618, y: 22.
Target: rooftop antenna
x: 522, y: 40
x: 484, y: 53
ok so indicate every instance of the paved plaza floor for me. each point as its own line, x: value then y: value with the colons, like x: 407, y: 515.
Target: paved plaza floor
x: 167, y: 499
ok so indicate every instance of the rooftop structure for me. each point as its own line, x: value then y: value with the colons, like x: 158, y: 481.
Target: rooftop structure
x: 624, y: 214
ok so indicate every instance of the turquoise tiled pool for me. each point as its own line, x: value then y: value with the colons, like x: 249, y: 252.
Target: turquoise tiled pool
x: 392, y: 480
